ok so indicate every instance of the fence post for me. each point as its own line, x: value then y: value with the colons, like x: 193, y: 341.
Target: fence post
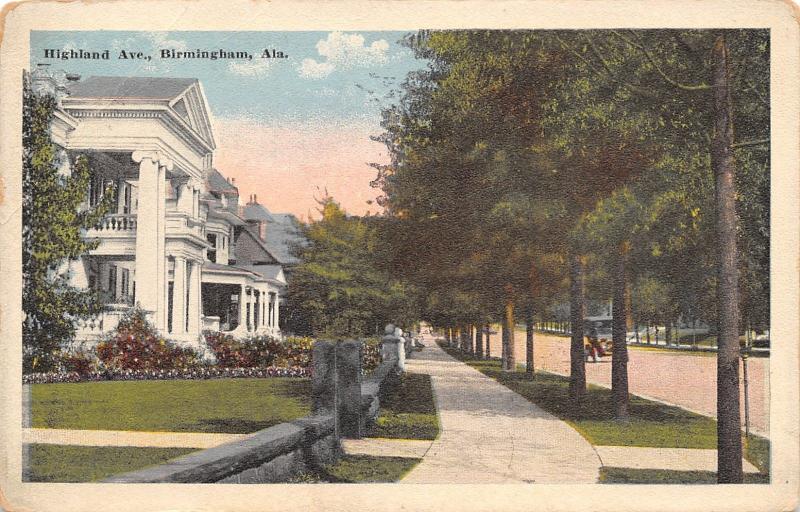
x: 348, y: 389
x: 323, y: 388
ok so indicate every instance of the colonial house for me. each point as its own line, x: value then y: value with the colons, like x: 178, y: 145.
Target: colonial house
x: 177, y: 243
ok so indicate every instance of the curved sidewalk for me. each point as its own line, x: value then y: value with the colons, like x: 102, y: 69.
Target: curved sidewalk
x: 489, y: 434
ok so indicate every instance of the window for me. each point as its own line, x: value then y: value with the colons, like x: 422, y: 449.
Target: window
x: 112, y: 282
x: 211, y: 238
x: 126, y: 198
x: 126, y: 279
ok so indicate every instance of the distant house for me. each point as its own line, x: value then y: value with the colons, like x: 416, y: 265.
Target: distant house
x: 176, y: 242
x: 278, y: 232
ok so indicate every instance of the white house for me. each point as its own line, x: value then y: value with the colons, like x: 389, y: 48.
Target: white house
x: 177, y: 242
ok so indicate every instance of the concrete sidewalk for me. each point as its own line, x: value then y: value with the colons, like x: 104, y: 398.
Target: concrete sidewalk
x: 489, y: 434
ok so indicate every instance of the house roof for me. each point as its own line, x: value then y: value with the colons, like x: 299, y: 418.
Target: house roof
x: 269, y: 272
x: 282, y: 235
x: 219, y: 183
x: 156, y: 88
x: 256, y: 211
x: 257, y: 251
x: 218, y: 267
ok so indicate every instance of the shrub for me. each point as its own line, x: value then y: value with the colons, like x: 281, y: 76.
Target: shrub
x: 135, y: 345
x: 371, y: 354
x: 259, y: 351
x: 78, y: 362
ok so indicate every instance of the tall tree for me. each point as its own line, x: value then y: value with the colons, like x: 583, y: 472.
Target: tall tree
x: 54, y: 215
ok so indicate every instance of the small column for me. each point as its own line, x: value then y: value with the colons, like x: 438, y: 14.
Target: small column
x: 195, y: 297
x: 179, y: 296
x: 243, y: 308
x: 276, y: 311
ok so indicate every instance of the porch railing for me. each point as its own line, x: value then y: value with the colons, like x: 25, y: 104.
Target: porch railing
x: 117, y: 222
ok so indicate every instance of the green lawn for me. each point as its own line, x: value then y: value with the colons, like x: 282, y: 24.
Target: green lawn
x: 216, y: 405
x: 408, y: 410
x: 62, y: 463
x: 610, y: 475
x: 650, y: 424
x: 368, y: 469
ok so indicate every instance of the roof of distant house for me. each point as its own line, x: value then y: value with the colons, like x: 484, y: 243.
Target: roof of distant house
x: 283, y: 234
x: 256, y: 211
x: 220, y: 184
x: 155, y: 88
x: 267, y: 271
x: 252, y: 252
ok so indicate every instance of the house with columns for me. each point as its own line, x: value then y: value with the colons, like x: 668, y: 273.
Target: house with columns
x: 176, y: 243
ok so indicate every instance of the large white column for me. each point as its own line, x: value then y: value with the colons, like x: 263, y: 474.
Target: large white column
x: 151, y: 267
x: 195, y: 298
x: 161, y: 313
x: 179, y: 296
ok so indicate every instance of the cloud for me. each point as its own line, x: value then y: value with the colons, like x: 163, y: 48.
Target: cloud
x: 314, y: 70
x: 344, y: 51
x: 258, y: 67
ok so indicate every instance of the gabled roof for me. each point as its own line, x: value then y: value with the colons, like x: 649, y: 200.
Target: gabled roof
x: 256, y: 211
x: 255, y: 251
x: 283, y: 234
x: 156, y: 88
x: 183, y: 96
x: 219, y: 184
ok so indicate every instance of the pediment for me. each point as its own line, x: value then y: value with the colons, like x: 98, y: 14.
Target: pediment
x: 192, y: 107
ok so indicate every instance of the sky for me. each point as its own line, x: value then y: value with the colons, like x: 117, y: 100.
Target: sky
x: 287, y: 129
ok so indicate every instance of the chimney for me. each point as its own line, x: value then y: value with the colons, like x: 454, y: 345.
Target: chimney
x: 255, y: 199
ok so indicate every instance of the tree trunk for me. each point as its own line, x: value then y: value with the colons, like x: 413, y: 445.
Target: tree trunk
x: 479, y: 341
x: 503, y: 344
x: 511, y: 364
x: 729, y: 440
x: 577, y: 368
x: 619, y: 359
x: 529, y: 369
x: 488, y: 342
x: 668, y: 332
x: 472, y: 343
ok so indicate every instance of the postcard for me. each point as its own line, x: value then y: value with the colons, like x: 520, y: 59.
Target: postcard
x: 468, y: 255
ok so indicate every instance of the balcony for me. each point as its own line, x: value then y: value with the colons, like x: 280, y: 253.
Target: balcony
x: 91, y: 329
x: 116, y: 233
x: 117, y: 222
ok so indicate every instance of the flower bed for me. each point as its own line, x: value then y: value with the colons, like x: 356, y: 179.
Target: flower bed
x: 207, y: 372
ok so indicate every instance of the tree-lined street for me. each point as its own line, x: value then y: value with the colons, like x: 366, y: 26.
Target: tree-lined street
x: 683, y: 379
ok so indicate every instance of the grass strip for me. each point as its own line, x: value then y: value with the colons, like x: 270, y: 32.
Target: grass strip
x: 408, y: 410
x: 651, y: 424
x: 236, y: 406
x: 68, y: 463
x: 369, y: 469
x: 611, y: 475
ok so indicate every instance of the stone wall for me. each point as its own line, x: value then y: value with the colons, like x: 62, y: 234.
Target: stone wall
x: 342, y: 406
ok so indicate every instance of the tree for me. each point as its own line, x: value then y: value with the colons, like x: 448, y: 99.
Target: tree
x: 339, y: 289
x: 53, y: 218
